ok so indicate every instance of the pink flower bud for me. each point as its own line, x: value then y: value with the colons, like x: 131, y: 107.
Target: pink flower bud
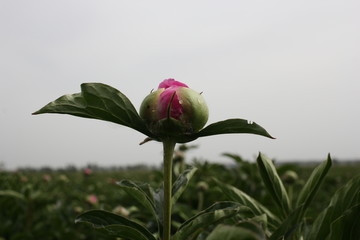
x: 174, y: 110
x: 87, y: 172
x: 47, y: 177
x: 92, y: 199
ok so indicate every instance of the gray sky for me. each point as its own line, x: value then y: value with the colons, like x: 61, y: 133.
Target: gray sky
x: 291, y: 66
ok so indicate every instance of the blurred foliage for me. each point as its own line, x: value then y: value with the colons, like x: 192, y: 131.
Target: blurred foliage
x: 43, y: 204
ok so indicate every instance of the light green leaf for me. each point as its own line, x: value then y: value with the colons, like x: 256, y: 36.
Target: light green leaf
x: 273, y: 184
x: 98, y: 101
x: 233, y: 126
x: 238, y: 160
x: 139, y: 195
x: 11, y: 193
x: 181, y: 183
x: 158, y: 198
x: 239, y: 196
x: 216, y: 213
x: 115, y: 225
x: 313, y: 183
x: 177, y: 189
x: 342, y: 204
x: 225, y: 232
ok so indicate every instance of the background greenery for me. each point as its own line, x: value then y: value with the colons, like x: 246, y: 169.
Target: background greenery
x: 43, y: 203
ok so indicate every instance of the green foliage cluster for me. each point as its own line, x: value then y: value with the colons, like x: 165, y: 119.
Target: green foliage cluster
x: 220, y: 200
x: 44, y: 205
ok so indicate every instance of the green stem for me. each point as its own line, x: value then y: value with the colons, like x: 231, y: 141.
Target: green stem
x: 200, y: 200
x: 169, y: 147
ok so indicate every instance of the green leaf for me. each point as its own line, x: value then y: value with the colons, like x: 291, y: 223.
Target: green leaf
x: 347, y: 226
x: 181, y: 183
x: 308, y: 192
x: 139, y: 195
x: 98, y: 101
x: 313, y: 183
x: 124, y: 232
x: 238, y: 160
x: 233, y: 126
x: 289, y: 225
x: 11, y: 193
x: 216, y: 213
x: 273, y: 183
x: 236, y: 195
x: 293, y: 221
x: 115, y: 225
x: 158, y: 198
x: 342, y: 204
x: 225, y: 232
x: 177, y: 189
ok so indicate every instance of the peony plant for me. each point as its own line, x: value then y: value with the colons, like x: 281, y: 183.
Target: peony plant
x: 174, y: 113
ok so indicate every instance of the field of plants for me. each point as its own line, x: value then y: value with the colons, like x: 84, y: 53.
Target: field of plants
x: 44, y: 204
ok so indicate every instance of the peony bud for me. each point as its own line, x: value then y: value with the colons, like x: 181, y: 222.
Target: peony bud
x: 174, y: 110
x: 290, y: 177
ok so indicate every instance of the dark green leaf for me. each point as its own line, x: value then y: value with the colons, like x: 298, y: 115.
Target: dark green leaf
x: 344, y: 201
x: 347, y: 226
x: 124, y: 232
x: 313, y: 183
x: 115, y: 225
x: 233, y: 126
x: 289, y: 225
x: 181, y: 183
x: 98, y: 101
x: 273, y: 183
x: 239, y: 196
x: 212, y: 215
x: 306, y: 195
x: 257, y: 224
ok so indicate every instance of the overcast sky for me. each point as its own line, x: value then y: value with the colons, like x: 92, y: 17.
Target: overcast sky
x: 291, y: 66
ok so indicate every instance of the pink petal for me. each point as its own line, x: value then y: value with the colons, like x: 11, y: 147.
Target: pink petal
x: 176, y: 109
x: 171, y: 83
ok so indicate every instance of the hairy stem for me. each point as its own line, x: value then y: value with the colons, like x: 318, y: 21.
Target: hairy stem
x: 169, y: 147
